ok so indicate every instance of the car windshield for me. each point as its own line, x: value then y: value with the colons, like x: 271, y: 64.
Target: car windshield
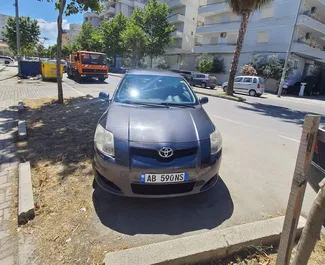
x: 154, y: 89
x: 93, y: 58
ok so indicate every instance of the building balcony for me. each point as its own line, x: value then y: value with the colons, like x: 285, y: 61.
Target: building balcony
x: 217, y: 27
x: 176, y: 18
x: 110, y: 11
x: 213, y: 7
x: 215, y: 48
x: 311, y: 24
x: 109, y: 3
x: 177, y: 34
x: 308, y: 51
x: 176, y: 50
x: 178, y: 3
x: 140, y: 3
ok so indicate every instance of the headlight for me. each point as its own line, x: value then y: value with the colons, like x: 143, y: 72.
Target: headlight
x: 215, y: 142
x: 104, y: 141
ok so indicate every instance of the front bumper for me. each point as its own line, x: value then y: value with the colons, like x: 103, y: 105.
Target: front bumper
x: 123, y: 178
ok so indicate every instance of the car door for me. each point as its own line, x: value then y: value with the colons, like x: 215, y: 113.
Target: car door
x: 247, y: 84
x: 237, y: 83
x: 197, y: 80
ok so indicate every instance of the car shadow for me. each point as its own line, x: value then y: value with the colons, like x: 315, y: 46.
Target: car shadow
x: 170, y: 216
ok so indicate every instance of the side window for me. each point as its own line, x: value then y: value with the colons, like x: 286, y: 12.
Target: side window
x: 201, y: 76
x: 247, y: 80
x: 254, y: 80
x: 238, y: 79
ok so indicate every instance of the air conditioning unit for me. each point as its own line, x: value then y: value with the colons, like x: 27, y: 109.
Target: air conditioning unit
x: 313, y: 9
x: 223, y: 34
x: 307, y: 36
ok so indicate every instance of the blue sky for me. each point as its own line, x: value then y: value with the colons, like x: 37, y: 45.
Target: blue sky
x: 44, y: 12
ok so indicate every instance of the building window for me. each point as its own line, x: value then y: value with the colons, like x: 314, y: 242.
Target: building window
x: 267, y: 12
x: 263, y: 37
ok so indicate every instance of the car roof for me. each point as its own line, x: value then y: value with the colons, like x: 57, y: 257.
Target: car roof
x: 248, y: 76
x: 153, y: 72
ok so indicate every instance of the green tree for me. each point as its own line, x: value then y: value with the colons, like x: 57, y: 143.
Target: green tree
x: 134, y: 38
x: 243, y: 9
x: 112, y: 35
x: 90, y: 39
x: 205, y: 65
x: 157, y: 28
x: 218, y: 65
x: 69, y: 7
x: 29, y: 33
x: 270, y: 66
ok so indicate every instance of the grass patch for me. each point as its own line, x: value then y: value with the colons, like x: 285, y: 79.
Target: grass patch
x: 234, y: 98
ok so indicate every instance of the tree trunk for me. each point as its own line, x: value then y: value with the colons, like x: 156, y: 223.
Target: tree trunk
x: 239, y: 45
x: 58, y: 52
x: 311, y: 232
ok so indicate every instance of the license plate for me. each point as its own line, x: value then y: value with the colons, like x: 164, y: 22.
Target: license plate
x: 163, y: 178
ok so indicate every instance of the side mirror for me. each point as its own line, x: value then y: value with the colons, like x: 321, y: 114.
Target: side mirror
x: 204, y: 100
x: 104, y: 96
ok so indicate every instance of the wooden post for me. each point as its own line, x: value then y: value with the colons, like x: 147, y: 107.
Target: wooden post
x: 298, y: 187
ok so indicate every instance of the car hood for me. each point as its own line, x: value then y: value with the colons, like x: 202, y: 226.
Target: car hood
x: 147, y: 124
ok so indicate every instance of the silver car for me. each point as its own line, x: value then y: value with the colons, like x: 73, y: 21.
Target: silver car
x: 155, y: 139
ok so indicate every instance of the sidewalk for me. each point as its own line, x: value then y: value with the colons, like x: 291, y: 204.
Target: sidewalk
x: 8, y: 171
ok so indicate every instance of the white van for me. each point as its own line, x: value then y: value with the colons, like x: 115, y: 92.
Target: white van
x: 253, y: 85
x: 6, y: 60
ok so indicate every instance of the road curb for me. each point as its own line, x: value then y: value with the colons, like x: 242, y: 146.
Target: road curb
x: 204, y: 246
x: 26, y: 210
x: 240, y: 99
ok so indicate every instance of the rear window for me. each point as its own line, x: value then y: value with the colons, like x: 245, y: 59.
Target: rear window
x: 212, y: 77
x: 254, y: 80
x: 261, y: 80
x: 247, y: 80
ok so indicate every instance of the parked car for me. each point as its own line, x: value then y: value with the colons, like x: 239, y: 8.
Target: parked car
x: 253, y: 85
x: 146, y: 153
x: 204, y: 80
x: 188, y: 75
x: 6, y: 60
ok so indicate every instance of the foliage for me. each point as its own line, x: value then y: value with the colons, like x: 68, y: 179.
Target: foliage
x: 157, y: 28
x: 134, y: 38
x: 239, y: 7
x: 204, y: 63
x: 248, y: 69
x: 218, y: 65
x: 90, y: 39
x: 269, y: 67
x: 111, y: 34
x: 160, y: 63
x: 29, y: 33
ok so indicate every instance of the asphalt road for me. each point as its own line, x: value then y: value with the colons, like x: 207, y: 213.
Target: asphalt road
x: 260, y: 144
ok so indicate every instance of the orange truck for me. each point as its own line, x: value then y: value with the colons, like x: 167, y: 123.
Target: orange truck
x: 85, y: 65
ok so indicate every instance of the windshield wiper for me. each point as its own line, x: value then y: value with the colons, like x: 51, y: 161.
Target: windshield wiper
x: 180, y: 105
x: 146, y: 104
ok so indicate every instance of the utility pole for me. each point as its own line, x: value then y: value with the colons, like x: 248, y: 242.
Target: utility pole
x: 17, y: 30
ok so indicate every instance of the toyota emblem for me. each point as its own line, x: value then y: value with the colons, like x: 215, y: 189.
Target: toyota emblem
x: 166, y: 152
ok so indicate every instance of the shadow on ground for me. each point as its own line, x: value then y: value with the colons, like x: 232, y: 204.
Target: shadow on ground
x: 170, y: 216
x: 61, y: 134
x: 279, y: 112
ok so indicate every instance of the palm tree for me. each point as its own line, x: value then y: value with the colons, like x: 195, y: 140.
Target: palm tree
x: 244, y: 9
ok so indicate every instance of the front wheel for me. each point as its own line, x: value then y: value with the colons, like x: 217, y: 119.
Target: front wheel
x: 203, y: 85
x: 7, y: 63
x: 212, y: 87
x: 252, y: 92
x: 101, y: 79
x: 225, y: 89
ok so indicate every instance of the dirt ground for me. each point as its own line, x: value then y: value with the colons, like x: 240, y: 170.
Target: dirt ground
x: 60, y: 148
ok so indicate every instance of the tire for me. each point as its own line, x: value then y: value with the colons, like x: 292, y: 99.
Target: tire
x: 101, y: 79
x: 7, y: 62
x: 203, y: 85
x: 212, y: 87
x: 252, y: 93
x: 225, y: 89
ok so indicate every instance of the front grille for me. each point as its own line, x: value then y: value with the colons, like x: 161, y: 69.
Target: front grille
x: 164, y: 189
x: 153, y: 153
x: 97, y: 71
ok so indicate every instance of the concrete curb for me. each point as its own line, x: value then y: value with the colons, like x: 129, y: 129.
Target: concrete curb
x: 204, y: 246
x: 26, y: 210
x: 218, y: 96
x: 22, y: 132
x: 115, y: 74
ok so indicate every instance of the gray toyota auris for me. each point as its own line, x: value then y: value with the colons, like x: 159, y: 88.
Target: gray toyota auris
x: 155, y: 139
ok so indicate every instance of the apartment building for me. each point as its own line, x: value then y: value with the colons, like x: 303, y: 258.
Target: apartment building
x: 126, y: 7
x: 269, y: 32
x: 3, y: 22
x: 74, y: 30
